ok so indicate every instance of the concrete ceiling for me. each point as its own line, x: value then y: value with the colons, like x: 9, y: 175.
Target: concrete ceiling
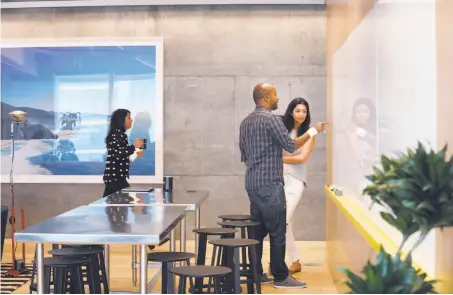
x: 80, y: 3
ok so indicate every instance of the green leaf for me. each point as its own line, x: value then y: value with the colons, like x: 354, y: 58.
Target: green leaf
x: 386, y: 162
x: 427, y: 187
x: 389, y: 275
x: 416, y: 188
x: 390, y: 219
x: 426, y: 205
x: 356, y: 282
x: 409, y: 204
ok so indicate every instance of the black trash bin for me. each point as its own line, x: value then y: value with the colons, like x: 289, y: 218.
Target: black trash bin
x: 4, y: 222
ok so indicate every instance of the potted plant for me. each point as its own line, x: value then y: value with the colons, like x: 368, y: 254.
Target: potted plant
x: 416, y: 189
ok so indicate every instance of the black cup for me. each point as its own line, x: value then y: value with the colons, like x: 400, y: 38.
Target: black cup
x: 143, y: 147
x: 168, y: 183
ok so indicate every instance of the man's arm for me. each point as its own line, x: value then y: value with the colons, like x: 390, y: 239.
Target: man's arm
x: 303, y: 156
x: 301, y: 140
x: 280, y: 134
x: 241, y: 147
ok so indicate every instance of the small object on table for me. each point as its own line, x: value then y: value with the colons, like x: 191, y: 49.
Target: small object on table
x: 137, y: 189
x: 168, y: 183
x: 336, y: 191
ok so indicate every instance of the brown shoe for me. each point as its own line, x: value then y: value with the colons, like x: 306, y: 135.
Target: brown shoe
x: 295, y: 267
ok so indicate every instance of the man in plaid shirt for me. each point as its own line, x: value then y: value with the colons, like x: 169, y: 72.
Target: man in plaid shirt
x: 262, y: 138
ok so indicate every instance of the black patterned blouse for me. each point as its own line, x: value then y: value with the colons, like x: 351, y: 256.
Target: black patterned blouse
x: 117, y: 162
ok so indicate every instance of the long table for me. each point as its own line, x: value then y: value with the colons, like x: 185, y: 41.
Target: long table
x: 140, y: 225
x: 190, y: 199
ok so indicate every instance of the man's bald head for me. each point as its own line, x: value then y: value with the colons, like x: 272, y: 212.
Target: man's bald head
x: 265, y: 95
x: 260, y: 91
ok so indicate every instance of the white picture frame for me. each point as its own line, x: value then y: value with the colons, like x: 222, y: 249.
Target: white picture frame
x: 20, y: 174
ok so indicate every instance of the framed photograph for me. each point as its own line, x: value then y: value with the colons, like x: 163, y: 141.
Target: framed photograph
x: 68, y: 89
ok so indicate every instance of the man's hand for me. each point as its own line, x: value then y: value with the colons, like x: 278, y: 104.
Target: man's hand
x: 320, y: 126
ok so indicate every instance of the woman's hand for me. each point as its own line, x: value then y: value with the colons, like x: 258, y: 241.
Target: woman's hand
x: 138, y: 143
x: 140, y: 153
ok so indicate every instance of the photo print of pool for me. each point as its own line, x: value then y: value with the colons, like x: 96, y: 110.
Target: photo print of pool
x: 68, y: 90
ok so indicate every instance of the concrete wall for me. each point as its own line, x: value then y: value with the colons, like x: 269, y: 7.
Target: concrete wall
x: 214, y: 55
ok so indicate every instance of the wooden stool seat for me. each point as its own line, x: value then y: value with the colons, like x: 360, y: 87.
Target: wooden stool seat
x: 167, y: 259
x: 200, y: 272
x: 170, y: 256
x: 239, y: 223
x: 215, y: 231
x: 236, y: 217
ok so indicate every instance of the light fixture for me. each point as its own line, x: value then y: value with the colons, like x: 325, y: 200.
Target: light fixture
x: 17, y: 268
x: 17, y: 116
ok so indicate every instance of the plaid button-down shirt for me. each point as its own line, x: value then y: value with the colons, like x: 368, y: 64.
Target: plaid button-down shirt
x: 262, y: 136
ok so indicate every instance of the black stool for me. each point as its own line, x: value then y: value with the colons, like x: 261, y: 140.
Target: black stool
x: 229, y: 256
x: 95, y: 267
x: 203, y: 234
x: 235, y: 217
x: 247, y: 227
x: 200, y: 272
x: 247, y: 232
x: 167, y: 259
x: 101, y: 259
x: 62, y: 269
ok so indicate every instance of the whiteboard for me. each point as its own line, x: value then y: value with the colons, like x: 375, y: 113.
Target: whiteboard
x: 384, y: 87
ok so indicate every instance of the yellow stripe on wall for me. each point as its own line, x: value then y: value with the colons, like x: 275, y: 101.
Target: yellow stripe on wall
x: 368, y: 229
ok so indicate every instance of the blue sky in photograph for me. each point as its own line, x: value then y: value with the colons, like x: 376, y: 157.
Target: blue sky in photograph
x: 30, y: 75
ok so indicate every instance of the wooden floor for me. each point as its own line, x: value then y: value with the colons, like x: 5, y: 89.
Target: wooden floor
x: 315, y: 273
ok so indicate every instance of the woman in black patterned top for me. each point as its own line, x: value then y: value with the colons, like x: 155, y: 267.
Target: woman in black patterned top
x: 116, y: 169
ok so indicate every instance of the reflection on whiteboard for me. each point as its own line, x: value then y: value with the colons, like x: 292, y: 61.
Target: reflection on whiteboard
x: 384, y: 93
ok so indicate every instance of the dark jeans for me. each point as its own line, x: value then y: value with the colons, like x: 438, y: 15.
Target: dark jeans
x: 268, y: 207
x: 114, y: 187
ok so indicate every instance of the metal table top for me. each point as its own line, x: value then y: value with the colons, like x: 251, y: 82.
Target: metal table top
x: 106, y: 225
x: 192, y: 199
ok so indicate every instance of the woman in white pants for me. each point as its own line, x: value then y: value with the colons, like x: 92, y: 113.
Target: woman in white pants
x: 297, y: 122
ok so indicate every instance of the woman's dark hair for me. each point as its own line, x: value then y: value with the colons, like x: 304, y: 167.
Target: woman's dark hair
x: 117, y: 121
x: 369, y: 126
x: 288, y: 119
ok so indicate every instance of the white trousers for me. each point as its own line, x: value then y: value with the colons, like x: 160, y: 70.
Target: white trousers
x: 294, y: 189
